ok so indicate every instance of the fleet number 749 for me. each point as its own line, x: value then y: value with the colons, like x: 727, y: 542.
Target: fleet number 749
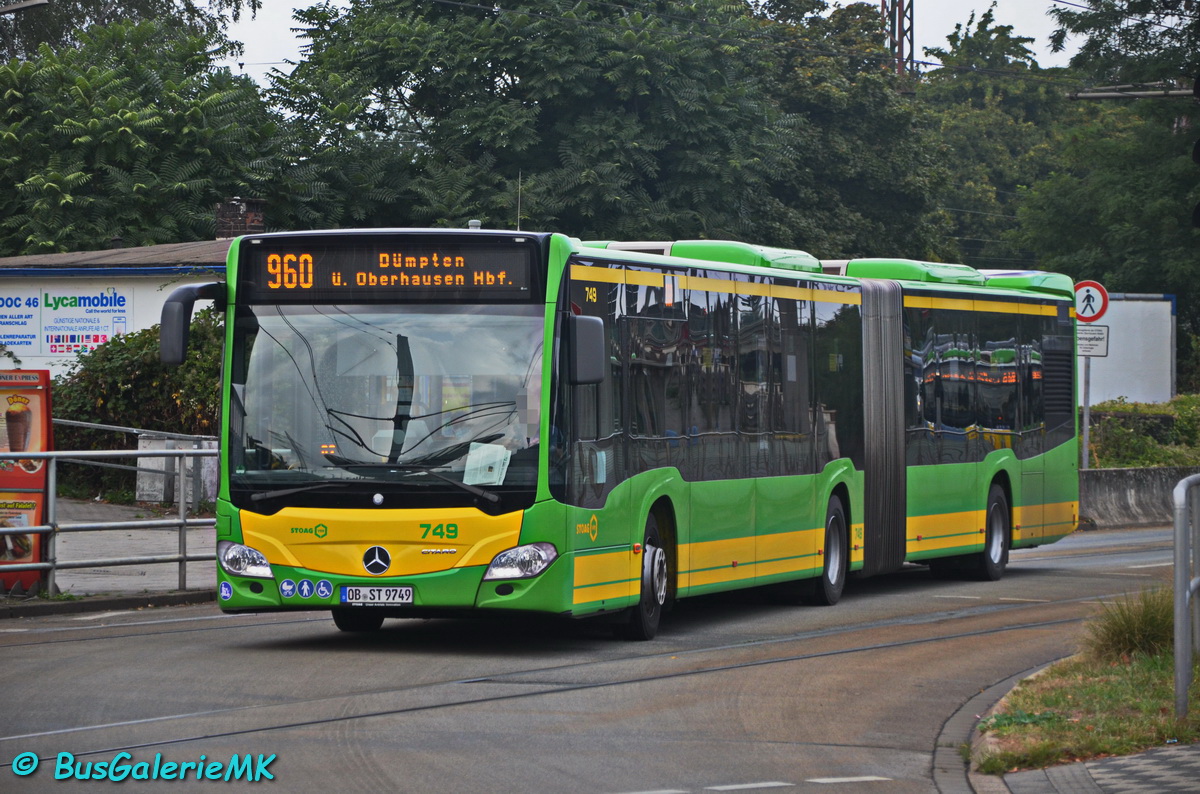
x: 445, y: 531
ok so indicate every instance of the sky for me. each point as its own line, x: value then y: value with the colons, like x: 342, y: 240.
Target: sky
x: 269, y: 41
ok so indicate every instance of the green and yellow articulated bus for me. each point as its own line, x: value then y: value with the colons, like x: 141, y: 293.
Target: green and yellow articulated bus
x: 445, y: 422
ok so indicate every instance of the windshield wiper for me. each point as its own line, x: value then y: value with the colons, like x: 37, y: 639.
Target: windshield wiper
x: 258, y: 497
x: 474, y: 490
x: 424, y: 468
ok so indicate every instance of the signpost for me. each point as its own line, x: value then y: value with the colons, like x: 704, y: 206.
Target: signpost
x: 1091, y: 302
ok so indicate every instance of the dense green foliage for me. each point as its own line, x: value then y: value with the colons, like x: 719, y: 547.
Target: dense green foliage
x: 1130, y: 41
x: 59, y: 23
x: 671, y: 120
x: 95, y: 145
x: 1130, y: 435
x: 998, y: 117
x: 122, y: 383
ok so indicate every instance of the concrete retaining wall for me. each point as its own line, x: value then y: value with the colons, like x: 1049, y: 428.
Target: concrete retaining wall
x: 1112, y: 498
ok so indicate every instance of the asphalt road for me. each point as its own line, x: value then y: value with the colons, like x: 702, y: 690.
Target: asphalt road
x: 737, y: 693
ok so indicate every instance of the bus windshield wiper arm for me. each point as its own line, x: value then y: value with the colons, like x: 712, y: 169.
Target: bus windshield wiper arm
x: 421, y: 468
x: 258, y: 497
x: 474, y: 490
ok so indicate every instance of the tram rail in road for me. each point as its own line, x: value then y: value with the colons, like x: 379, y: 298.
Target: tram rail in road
x: 739, y: 691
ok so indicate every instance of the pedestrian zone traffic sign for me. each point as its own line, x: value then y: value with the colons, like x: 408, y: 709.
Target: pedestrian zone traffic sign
x: 1091, y: 301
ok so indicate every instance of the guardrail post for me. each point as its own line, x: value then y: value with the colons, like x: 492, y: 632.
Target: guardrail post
x: 170, y: 482
x: 50, y: 539
x: 196, y: 478
x: 1187, y: 620
x: 1192, y: 569
x: 181, y: 462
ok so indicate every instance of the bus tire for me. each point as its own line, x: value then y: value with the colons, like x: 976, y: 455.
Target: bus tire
x: 826, y: 590
x: 357, y: 619
x: 643, y: 619
x: 990, y: 563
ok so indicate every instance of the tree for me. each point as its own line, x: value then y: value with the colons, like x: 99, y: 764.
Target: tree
x: 862, y: 174
x: 998, y: 116
x: 1117, y: 211
x: 1130, y: 41
x: 661, y: 119
x: 59, y: 23
x: 97, y: 146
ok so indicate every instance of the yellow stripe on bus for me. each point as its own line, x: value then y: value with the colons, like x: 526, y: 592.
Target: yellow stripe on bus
x: 711, y: 284
x: 603, y: 577
x: 830, y: 296
x: 728, y: 286
x: 789, y: 552
x: 717, y: 561
x: 606, y: 275
x: 945, y: 531
x: 1001, y: 307
x: 643, y: 278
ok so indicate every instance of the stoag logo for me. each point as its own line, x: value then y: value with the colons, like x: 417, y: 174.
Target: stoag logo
x: 319, y: 531
x: 591, y: 528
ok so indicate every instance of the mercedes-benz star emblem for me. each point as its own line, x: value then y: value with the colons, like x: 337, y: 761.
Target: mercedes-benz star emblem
x: 377, y: 560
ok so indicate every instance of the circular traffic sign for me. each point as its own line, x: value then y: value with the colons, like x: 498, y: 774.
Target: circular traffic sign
x: 1091, y: 301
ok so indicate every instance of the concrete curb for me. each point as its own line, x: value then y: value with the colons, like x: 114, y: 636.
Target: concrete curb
x: 37, y: 607
x: 953, y: 774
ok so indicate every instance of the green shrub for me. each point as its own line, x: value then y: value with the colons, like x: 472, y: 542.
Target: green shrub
x: 123, y: 383
x: 1142, y: 624
x: 1131, y: 435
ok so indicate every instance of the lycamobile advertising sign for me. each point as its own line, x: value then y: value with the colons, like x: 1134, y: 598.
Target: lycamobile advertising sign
x: 62, y: 320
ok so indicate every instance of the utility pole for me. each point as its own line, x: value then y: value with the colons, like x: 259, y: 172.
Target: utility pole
x: 898, y: 26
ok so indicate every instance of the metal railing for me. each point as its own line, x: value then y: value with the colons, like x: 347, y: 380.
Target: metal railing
x: 1187, y: 582
x: 168, y: 474
x: 52, y: 529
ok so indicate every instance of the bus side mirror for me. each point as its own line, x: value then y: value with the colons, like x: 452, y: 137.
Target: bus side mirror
x: 587, y: 359
x: 177, y: 319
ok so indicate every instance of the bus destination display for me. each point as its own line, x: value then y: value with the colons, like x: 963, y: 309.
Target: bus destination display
x: 308, y: 273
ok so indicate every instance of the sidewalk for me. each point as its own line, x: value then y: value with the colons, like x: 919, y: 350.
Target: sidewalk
x: 120, y: 586
x: 1163, y: 769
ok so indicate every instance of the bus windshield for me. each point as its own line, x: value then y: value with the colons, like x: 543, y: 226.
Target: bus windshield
x: 389, y: 398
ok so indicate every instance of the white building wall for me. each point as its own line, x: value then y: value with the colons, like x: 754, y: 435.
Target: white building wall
x: 46, y: 321
x: 1140, y: 365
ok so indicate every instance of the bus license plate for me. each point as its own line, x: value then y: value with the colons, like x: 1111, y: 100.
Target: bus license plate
x: 376, y: 596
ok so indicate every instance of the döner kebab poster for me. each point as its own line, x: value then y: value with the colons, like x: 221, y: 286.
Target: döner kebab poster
x: 24, y: 427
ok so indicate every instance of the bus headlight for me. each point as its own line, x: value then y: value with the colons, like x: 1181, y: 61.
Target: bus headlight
x: 242, y: 560
x: 522, y: 562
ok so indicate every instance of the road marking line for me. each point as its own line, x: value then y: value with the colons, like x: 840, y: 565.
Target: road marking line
x: 1029, y: 600
x: 1153, y: 565
x: 100, y: 615
x: 969, y: 598
x: 863, y: 779
x: 743, y: 786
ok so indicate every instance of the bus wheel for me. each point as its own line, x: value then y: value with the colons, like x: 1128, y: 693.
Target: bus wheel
x: 355, y: 619
x: 827, y: 589
x: 990, y: 563
x: 644, y: 618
